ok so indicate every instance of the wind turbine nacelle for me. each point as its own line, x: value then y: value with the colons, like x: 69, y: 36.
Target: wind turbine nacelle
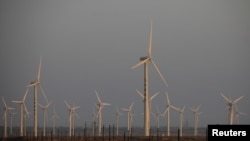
x: 143, y: 58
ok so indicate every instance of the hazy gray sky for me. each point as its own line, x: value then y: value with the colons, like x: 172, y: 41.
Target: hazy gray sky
x: 201, y: 47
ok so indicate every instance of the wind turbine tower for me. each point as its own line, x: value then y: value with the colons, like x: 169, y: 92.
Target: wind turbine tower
x: 145, y: 60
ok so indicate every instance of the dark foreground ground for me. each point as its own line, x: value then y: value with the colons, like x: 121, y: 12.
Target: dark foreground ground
x: 107, y: 138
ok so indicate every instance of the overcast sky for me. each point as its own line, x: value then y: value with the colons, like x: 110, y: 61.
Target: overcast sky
x: 201, y: 47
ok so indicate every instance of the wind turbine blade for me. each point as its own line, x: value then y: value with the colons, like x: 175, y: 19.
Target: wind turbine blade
x: 177, y: 109
x: 131, y: 106
x: 39, y: 70
x: 150, y: 40
x: 77, y: 107
x: 140, y: 63
x: 48, y: 104
x: 198, y: 108
x: 98, y: 97
x: 67, y: 104
x: 41, y: 105
x: 167, y: 110
x: 5, y: 105
x: 140, y: 94
x: 183, y: 108
x: 18, y: 102
x: 167, y: 98
x: 25, y: 108
x: 25, y: 95
x: 228, y: 100
x: 124, y: 109
x: 106, y: 104
x: 237, y: 100
x: 44, y: 95
x: 160, y: 74
x: 153, y: 96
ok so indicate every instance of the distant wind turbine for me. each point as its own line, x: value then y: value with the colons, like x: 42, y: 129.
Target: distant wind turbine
x: 129, y: 116
x: 45, y: 116
x: 22, y: 107
x: 11, y: 119
x: 5, y: 110
x: 118, y: 114
x: 196, y: 119
x: 169, y: 106
x: 145, y: 61
x: 71, y: 114
x: 237, y: 114
x: 181, y: 116
x: 157, y: 117
x: 100, y: 106
x: 54, y: 117
x: 36, y: 84
x: 230, y: 107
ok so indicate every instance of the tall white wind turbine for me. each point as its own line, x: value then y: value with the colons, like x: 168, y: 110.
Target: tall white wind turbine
x: 181, y: 116
x: 22, y: 107
x: 117, y: 114
x: 45, y: 116
x: 169, y: 106
x: 230, y: 107
x: 145, y: 61
x: 196, y: 119
x: 36, y: 84
x: 5, y: 110
x: 128, y: 110
x: 54, y: 117
x: 237, y: 114
x: 71, y: 114
x: 100, y: 106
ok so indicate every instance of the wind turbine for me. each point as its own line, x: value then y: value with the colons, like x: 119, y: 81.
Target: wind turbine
x: 54, y: 117
x: 157, y: 117
x: 45, y: 116
x: 230, y: 106
x: 71, y: 114
x: 169, y: 106
x: 129, y: 116
x: 181, y: 116
x: 22, y: 106
x: 196, y: 119
x: 145, y: 60
x: 36, y: 84
x: 118, y: 114
x: 100, y: 106
x: 94, y: 117
x: 5, y: 110
x: 26, y: 114
x: 237, y: 114
x: 73, y: 120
